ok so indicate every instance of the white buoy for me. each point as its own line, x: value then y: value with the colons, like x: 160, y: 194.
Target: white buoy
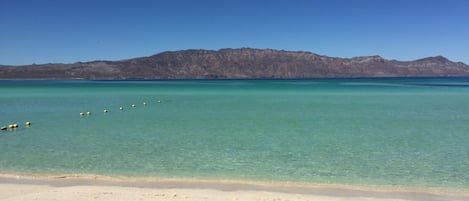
x: 105, y: 111
x: 121, y: 108
x: 12, y: 126
x: 88, y: 113
x: 28, y: 123
x: 133, y: 105
x: 81, y: 114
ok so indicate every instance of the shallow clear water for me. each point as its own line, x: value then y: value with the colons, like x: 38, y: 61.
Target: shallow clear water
x: 410, y: 132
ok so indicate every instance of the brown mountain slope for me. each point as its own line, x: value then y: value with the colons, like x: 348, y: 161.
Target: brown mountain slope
x: 238, y: 63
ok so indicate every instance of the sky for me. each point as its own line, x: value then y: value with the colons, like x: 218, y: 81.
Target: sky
x: 68, y: 31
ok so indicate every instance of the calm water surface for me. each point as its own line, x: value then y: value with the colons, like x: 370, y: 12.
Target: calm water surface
x: 409, y: 132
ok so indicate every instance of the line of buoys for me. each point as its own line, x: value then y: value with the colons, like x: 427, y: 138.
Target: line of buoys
x: 120, y: 108
x: 14, y: 126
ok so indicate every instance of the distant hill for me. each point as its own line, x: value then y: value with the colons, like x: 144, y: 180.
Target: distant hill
x: 238, y: 63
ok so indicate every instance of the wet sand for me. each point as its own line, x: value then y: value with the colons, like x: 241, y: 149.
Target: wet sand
x: 93, y: 187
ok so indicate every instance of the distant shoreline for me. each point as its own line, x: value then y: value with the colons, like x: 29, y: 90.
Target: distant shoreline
x: 248, y: 79
x: 329, y: 190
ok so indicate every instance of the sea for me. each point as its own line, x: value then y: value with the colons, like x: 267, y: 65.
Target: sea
x: 411, y: 132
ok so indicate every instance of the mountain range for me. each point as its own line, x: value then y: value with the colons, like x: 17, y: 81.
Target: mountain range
x: 242, y: 63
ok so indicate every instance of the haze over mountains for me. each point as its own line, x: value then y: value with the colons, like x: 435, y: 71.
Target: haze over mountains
x: 239, y: 64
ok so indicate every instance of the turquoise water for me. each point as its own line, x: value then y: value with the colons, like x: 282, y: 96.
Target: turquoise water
x: 406, y: 132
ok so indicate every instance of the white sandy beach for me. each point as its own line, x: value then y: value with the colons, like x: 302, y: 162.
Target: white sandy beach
x: 20, y: 188
x: 16, y: 192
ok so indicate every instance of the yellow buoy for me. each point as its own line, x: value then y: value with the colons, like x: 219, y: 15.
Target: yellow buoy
x: 105, y: 111
x: 121, y: 108
x: 81, y: 114
x: 88, y: 113
x: 28, y: 123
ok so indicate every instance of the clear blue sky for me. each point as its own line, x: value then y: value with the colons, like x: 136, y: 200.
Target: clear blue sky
x: 67, y: 31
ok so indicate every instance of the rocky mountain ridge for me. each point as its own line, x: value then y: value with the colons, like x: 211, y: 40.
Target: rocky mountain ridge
x: 240, y: 63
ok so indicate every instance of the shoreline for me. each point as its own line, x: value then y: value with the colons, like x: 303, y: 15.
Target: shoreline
x: 123, y: 183
x: 239, y: 79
